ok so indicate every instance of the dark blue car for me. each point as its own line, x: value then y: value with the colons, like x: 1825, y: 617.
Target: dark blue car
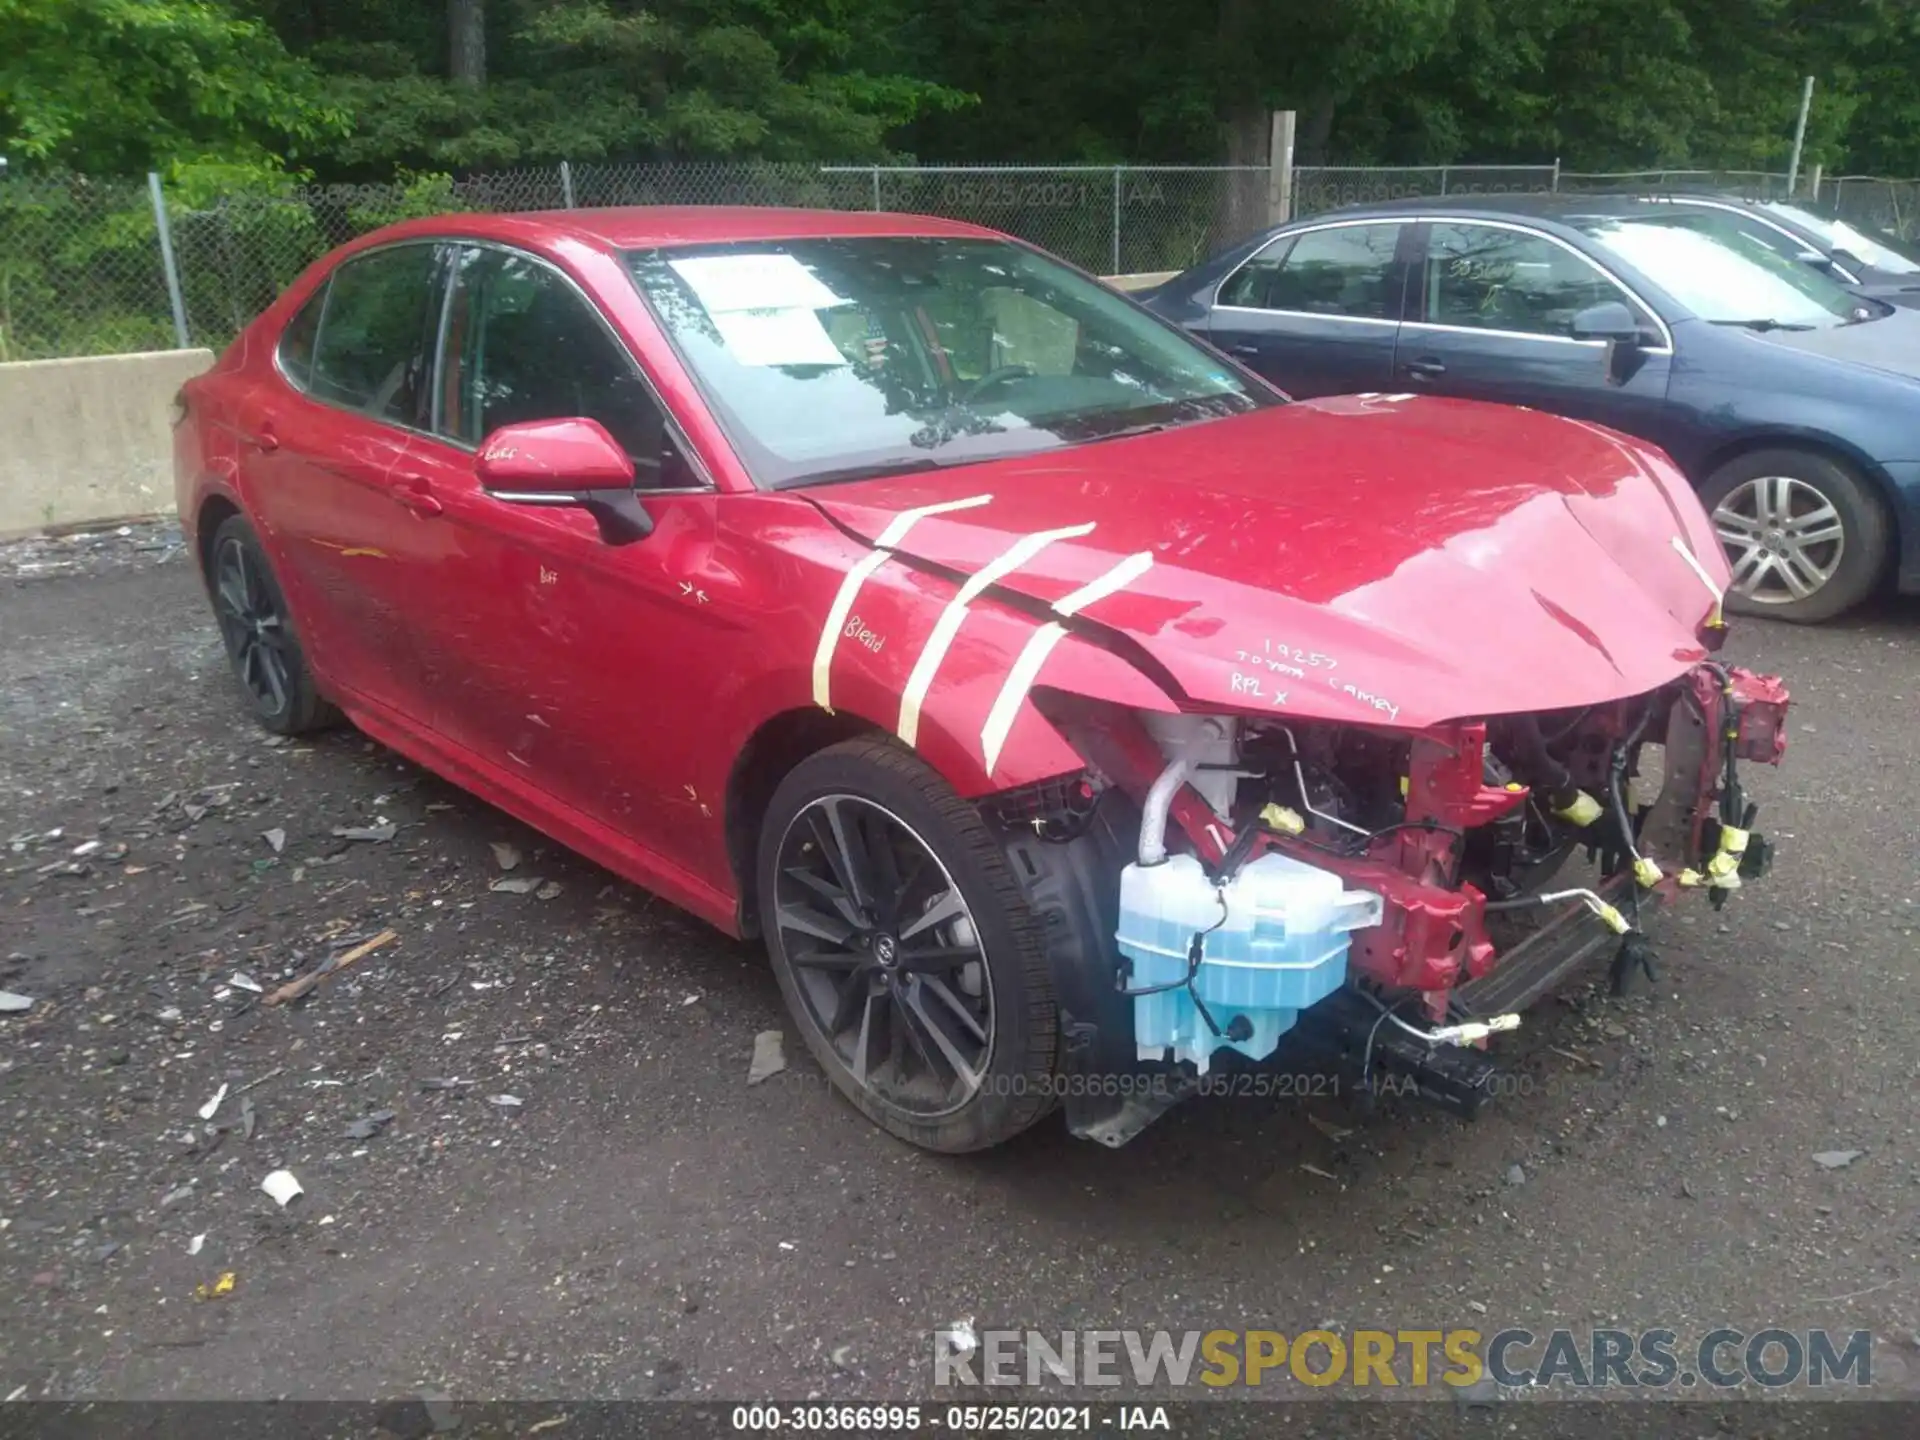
x: 1792, y: 403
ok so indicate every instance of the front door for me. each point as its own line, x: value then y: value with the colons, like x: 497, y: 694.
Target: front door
x: 1317, y: 311
x: 578, y: 664
x: 1493, y: 320
x: 325, y: 468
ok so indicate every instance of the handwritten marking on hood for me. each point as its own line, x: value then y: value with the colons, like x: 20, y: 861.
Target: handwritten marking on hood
x: 837, y: 613
x: 1378, y: 702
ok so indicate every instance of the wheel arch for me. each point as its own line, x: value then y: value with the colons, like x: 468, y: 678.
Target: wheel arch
x: 1827, y: 447
x: 214, y: 512
x: 780, y: 742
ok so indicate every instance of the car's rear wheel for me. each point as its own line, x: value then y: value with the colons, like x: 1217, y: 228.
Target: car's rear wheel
x: 905, y: 949
x: 1805, y: 536
x: 260, y: 638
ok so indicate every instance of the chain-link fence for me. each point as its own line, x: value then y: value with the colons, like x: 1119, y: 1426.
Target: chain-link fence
x: 82, y: 270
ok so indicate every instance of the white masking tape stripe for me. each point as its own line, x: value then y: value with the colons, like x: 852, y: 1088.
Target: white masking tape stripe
x: 1693, y: 561
x: 1101, y: 586
x: 897, y: 528
x: 836, y: 618
x: 1026, y: 669
x: 948, y: 626
x: 1013, y: 694
x: 895, y: 532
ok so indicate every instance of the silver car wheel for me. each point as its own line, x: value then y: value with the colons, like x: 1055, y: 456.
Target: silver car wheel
x: 1783, y: 537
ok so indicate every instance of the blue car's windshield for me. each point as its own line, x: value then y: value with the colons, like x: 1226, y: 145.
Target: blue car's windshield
x: 1708, y: 263
x: 1872, y: 247
x: 832, y: 357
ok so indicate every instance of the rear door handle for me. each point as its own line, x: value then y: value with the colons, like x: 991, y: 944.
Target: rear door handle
x: 1426, y: 368
x: 415, y: 492
x: 263, y: 439
x: 1243, y: 349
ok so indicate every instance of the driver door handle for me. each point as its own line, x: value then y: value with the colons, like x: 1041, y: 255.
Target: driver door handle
x: 1426, y: 368
x: 415, y: 492
x: 1244, y: 349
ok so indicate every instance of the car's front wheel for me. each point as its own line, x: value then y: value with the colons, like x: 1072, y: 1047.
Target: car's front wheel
x: 905, y: 949
x: 1806, y: 538
x: 261, y: 642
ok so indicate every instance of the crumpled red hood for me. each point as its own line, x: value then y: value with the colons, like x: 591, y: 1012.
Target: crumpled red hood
x: 1384, y: 559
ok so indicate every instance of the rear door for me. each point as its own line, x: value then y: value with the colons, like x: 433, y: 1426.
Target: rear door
x: 1317, y: 311
x: 1492, y: 319
x: 324, y: 467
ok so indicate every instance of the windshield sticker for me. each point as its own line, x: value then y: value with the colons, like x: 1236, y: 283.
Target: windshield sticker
x: 777, y: 337
x: 754, y: 282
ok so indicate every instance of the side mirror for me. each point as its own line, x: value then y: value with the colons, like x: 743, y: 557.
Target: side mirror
x: 572, y: 462
x: 1817, y: 260
x: 1609, y: 320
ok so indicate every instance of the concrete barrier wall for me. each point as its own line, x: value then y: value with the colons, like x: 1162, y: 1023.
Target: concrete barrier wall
x: 90, y: 440
x: 86, y: 440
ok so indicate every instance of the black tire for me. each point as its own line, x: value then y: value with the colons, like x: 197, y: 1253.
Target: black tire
x: 868, y: 787
x: 1751, y: 494
x: 258, y: 630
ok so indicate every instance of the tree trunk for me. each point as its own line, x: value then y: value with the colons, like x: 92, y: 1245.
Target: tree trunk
x: 467, y: 33
x: 1245, y: 136
x: 1317, y: 130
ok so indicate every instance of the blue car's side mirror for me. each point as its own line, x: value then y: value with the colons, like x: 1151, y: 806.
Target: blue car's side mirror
x: 1609, y: 320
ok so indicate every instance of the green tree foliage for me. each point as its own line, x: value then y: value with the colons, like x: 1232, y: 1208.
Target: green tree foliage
x: 613, y: 79
x: 120, y: 86
x: 356, y: 89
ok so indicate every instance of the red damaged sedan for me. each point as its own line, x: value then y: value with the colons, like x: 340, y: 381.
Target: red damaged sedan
x: 1078, y: 721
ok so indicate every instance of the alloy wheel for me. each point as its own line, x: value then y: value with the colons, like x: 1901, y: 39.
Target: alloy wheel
x: 252, y: 626
x: 885, y: 957
x: 1783, y: 537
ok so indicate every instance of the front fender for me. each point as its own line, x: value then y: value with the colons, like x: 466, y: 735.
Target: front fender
x: 952, y: 679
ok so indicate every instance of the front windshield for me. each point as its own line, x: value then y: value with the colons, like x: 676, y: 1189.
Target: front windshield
x: 1870, y: 247
x: 1710, y: 265
x: 827, y: 358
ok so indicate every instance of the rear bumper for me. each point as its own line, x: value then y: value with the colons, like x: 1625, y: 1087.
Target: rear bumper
x: 1904, y: 476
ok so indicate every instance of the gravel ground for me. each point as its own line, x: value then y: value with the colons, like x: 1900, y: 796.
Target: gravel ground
x: 640, y: 1222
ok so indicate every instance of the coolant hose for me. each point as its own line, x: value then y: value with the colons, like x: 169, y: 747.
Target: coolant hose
x: 1153, y: 813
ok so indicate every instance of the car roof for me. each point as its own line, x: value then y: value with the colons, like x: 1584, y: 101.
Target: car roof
x: 1540, y: 206
x: 640, y: 227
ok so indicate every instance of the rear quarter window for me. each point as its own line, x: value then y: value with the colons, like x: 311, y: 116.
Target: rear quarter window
x: 296, y: 341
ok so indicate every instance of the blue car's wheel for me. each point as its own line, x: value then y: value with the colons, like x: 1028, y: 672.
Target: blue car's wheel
x: 1805, y: 537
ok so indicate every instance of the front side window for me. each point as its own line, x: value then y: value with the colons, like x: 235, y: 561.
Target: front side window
x: 522, y: 344
x: 1707, y: 263
x: 828, y: 357
x: 1487, y: 278
x: 1345, y: 271
x: 376, y: 333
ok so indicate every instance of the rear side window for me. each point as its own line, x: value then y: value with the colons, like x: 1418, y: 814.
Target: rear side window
x: 1247, y: 287
x: 1346, y: 271
x: 376, y: 334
